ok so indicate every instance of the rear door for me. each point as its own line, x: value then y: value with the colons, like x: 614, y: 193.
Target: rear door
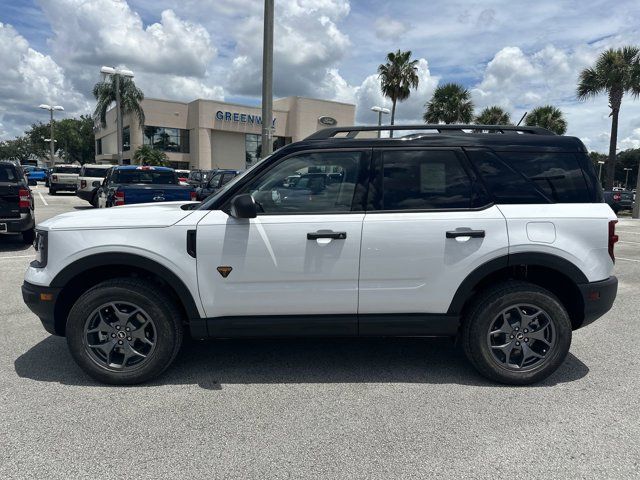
x: 429, y: 224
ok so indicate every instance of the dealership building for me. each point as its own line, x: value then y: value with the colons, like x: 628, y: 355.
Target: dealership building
x: 208, y: 134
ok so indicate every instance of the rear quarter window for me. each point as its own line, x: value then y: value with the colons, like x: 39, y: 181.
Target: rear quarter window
x: 557, y: 174
x: 8, y: 174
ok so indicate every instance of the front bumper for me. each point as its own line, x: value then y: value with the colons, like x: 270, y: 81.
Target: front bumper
x: 42, y: 302
x: 597, y: 298
x: 22, y: 224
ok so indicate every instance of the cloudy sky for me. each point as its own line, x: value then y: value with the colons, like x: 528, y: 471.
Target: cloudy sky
x: 514, y: 53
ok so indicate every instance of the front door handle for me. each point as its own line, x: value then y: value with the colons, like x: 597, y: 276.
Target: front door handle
x: 326, y: 234
x: 466, y: 233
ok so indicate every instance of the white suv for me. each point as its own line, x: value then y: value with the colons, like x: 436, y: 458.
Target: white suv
x: 89, y: 180
x: 497, y: 235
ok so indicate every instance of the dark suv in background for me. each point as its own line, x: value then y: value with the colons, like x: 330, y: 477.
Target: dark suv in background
x: 16, y: 202
x: 218, y: 180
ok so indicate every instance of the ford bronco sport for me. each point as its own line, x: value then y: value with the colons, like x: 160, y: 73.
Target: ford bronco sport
x: 496, y: 235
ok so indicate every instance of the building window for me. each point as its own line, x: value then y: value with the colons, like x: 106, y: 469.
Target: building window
x: 167, y: 139
x: 126, y: 138
x: 253, y: 147
x: 99, y: 146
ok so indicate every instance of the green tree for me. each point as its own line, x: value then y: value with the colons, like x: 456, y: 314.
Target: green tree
x: 147, y: 155
x: 548, y: 117
x: 398, y: 76
x: 616, y: 72
x: 451, y: 103
x: 493, y: 115
x: 18, y: 149
x: 130, y: 99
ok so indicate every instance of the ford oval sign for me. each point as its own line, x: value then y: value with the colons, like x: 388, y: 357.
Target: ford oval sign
x: 328, y: 121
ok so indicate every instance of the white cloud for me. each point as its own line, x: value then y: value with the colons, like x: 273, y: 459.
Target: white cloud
x: 388, y: 28
x: 308, y: 45
x: 27, y: 79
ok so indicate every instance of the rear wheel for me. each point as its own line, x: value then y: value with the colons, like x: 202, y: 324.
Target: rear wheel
x: 123, y: 331
x: 52, y: 191
x: 517, y: 333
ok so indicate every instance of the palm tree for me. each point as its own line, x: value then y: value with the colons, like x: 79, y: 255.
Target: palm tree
x: 397, y: 77
x: 548, y: 117
x: 130, y: 98
x: 147, y: 155
x: 494, y: 115
x: 616, y: 72
x: 451, y: 103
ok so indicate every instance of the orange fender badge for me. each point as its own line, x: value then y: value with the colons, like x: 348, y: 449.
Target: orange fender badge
x: 224, y: 271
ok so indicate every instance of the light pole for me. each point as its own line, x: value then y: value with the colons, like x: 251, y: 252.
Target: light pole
x: 115, y: 74
x: 600, y: 162
x: 380, y: 111
x: 51, y: 109
x: 267, y: 79
x: 626, y: 178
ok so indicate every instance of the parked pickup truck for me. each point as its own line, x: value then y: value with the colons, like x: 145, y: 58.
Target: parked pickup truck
x: 619, y: 200
x: 64, y: 177
x: 128, y: 185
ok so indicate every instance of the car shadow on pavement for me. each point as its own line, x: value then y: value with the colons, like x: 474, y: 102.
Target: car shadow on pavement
x: 13, y: 243
x: 213, y: 364
x: 83, y: 207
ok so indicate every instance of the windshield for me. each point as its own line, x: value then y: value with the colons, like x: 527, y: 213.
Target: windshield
x: 95, y: 172
x: 8, y: 173
x: 146, y: 176
x: 66, y: 170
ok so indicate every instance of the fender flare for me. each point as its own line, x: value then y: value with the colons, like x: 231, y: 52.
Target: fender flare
x: 554, y: 262
x: 111, y: 258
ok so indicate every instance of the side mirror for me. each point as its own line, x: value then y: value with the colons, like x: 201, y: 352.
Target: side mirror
x: 96, y: 184
x: 243, y: 206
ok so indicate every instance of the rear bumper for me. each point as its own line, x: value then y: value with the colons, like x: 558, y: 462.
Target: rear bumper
x: 42, y: 302
x: 598, y: 298
x: 71, y: 187
x: 16, y: 225
x: 86, y: 195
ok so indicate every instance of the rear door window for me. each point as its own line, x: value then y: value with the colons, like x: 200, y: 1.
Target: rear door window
x: 95, y: 172
x: 424, y: 180
x: 557, y: 174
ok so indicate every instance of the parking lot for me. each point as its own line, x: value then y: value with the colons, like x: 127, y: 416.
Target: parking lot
x: 388, y: 408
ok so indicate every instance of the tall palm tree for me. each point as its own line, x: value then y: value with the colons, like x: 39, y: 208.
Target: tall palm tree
x: 130, y: 99
x: 548, y: 117
x: 493, y: 115
x: 616, y: 72
x: 397, y: 77
x: 451, y: 103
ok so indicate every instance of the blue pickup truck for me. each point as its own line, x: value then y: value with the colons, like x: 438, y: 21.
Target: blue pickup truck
x: 130, y: 184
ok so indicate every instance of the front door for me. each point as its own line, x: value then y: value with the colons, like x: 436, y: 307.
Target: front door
x: 299, y: 258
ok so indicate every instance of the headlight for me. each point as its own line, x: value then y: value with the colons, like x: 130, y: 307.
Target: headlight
x: 40, y: 244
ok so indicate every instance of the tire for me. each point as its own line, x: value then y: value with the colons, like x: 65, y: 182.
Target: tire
x: 28, y: 236
x: 94, y: 201
x: 52, y: 191
x: 525, y: 363
x: 125, y: 294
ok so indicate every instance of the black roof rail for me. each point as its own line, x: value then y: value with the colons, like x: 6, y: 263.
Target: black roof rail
x: 352, y: 132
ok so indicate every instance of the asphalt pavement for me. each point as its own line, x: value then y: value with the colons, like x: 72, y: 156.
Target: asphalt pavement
x: 349, y: 408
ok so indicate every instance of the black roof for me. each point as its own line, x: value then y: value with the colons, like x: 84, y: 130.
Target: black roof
x: 496, y: 137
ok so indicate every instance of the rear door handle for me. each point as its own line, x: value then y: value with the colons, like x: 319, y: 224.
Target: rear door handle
x: 326, y: 234
x: 466, y: 233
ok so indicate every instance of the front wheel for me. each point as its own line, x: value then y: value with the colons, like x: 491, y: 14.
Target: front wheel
x: 517, y: 333
x: 124, y: 331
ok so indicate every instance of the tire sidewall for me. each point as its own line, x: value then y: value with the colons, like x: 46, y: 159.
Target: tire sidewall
x: 167, y: 333
x: 481, y: 324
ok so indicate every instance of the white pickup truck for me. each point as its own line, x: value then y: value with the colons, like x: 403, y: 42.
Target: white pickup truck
x: 64, y: 177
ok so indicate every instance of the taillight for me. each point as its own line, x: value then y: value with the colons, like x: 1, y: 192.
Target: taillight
x: 616, y: 197
x: 54, y: 178
x: 24, y: 198
x: 194, y: 197
x: 119, y: 198
x: 83, y: 184
x: 613, y: 238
